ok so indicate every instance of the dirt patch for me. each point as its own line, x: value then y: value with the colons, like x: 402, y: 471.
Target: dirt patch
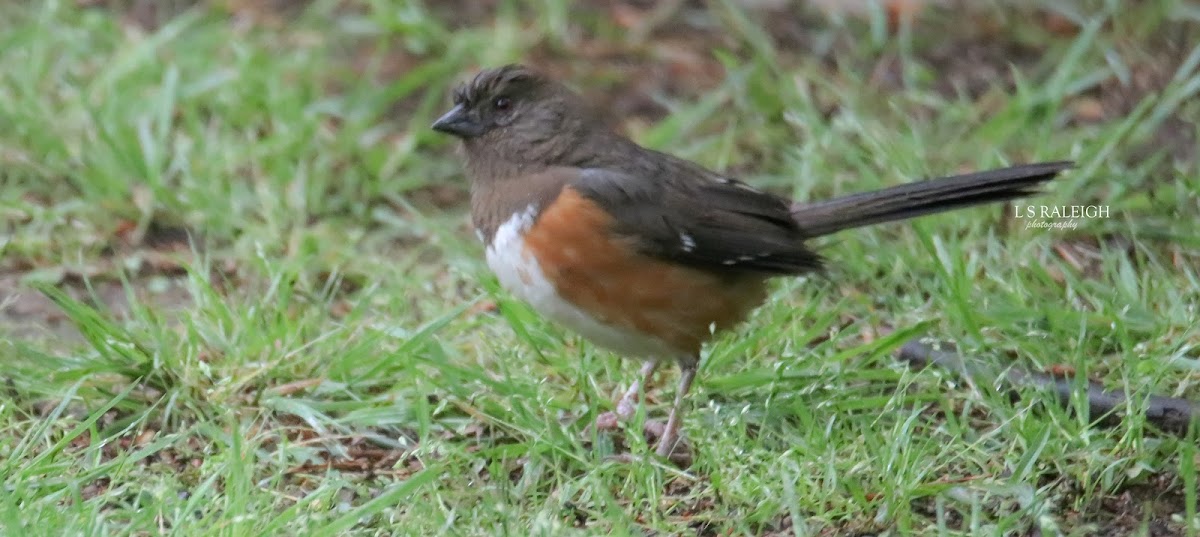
x: 464, y: 13
x: 27, y: 314
x: 151, y: 15
x: 1152, y: 68
x: 1145, y: 507
x: 350, y: 455
x: 145, y: 14
x: 140, y: 267
x: 971, y: 66
x: 1148, y: 506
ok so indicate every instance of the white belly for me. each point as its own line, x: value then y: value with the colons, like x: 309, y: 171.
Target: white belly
x: 519, y: 272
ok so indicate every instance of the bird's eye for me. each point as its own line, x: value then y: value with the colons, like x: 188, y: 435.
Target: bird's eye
x: 502, y: 103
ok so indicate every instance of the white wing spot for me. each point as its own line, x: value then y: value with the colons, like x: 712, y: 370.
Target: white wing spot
x: 689, y: 243
x: 739, y: 184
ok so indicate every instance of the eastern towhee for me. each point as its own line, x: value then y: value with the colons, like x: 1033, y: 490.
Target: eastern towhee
x: 639, y: 251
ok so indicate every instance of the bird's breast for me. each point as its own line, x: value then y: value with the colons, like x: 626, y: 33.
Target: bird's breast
x: 518, y: 268
x: 564, y: 260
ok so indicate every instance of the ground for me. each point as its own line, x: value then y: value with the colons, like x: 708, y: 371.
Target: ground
x: 239, y: 294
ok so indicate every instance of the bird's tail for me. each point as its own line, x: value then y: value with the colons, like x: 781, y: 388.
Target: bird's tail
x: 923, y: 197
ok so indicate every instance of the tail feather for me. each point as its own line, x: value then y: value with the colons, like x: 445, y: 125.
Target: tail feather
x: 924, y: 197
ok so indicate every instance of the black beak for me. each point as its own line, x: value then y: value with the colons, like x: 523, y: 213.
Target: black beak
x: 457, y: 123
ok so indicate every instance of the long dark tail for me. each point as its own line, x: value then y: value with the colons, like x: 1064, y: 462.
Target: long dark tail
x: 924, y: 197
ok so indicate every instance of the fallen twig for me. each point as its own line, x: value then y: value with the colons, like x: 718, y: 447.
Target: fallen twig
x: 1169, y: 413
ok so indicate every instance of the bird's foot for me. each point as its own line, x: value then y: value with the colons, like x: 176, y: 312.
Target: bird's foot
x: 626, y: 408
x: 611, y: 421
x: 681, y: 455
x: 670, y: 446
x: 679, y: 451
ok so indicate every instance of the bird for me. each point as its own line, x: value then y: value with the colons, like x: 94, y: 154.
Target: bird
x: 641, y: 252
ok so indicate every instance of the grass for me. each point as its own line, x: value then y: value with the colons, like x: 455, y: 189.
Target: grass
x: 243, y: 299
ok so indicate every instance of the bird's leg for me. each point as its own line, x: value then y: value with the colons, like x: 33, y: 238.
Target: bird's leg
x: 670, y: 436
x: 627, y: 404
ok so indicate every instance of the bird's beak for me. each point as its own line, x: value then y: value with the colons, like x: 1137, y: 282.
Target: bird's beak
x: 457, y: 122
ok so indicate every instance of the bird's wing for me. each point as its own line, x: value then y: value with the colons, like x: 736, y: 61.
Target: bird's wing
x: 715, y: 224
